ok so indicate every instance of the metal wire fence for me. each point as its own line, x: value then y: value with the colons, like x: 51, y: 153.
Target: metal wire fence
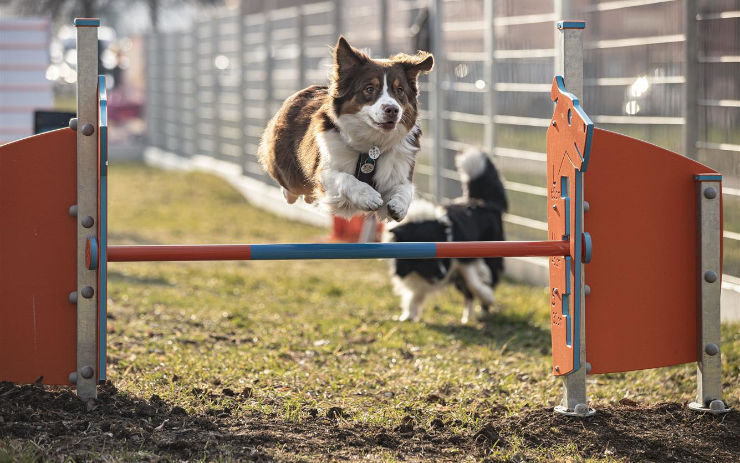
x: 664, y: 71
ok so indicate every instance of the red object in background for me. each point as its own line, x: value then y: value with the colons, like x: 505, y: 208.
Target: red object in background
x: 123, y: 106
x: 348, y: 231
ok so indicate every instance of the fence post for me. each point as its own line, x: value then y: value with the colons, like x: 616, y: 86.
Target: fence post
x: 690, y: 108
x: 489, y: 77
x: 242, y: 88
x: 338, y: 21
x: 435, y: 97
x: 569, y: 64
x: 384, y: 49
x: 300, y: 18
x: 267, y: 34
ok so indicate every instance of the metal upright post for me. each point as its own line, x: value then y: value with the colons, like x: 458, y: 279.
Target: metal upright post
x: 338, y: 19
x: 435, y: 98
x: 266, y: 42
x: 384, y: 48
x: 709, y: 283
x: 489, y: 77
x: 691, y: 80
x: 86, y: 375
x: 569, y: 64
x: 242, y: 88
x: 300, y: 18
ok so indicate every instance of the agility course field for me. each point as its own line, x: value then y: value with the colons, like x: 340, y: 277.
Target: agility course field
x: 302, y: 361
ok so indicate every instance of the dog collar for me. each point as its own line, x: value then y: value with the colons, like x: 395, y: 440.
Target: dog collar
x: 366, y: 164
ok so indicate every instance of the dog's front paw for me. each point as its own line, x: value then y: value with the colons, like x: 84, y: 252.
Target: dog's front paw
x: 397, y: 208
x: 367, y: 198
x: 407, y: 317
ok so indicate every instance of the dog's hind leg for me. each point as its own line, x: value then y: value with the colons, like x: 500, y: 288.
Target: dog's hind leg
x: 468, y: 310
x: 411, y: 304
x: 476, y: 284
x: 290, y: 197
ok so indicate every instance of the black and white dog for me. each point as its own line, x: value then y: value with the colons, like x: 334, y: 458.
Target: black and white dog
x: 474, y: 217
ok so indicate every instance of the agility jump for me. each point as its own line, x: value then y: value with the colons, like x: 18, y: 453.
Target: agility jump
x: 634, y: 247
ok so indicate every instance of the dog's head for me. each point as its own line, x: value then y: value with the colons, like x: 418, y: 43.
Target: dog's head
x: 379, y: 93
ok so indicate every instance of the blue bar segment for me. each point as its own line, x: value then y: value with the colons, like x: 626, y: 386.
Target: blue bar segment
x: 344, y: 251
x: 708, y: 178
x: 94, y: 22
x: 571, y: 24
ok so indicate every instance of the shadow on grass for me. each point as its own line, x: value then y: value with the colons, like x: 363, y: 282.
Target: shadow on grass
x: 516, y: 330
x: 116, y: 276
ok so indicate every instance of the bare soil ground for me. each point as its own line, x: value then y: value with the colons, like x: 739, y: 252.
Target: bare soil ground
x: 62, y: 427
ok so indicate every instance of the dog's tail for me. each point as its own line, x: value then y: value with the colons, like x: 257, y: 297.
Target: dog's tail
x: 480, y: 178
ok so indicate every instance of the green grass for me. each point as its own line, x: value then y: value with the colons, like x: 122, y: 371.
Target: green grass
x: 319, y: 332
x: 306, y: 335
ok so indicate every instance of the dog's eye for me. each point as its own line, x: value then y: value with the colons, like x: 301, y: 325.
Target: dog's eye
x: 369, y: 89
x: 400, y: 92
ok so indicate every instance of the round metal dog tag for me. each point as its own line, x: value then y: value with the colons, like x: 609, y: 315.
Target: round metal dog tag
x: 374, y: 152
x: 367, y: 167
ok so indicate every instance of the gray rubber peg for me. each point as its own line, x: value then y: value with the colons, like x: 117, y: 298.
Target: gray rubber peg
x: 88, y: 221
x: 88, y: 129
x: 710, y: 192
x: 710, y: 276
x: 711, y: 349
x: 72, y: 377
x: 87, y: 292
x: 581, y: 409
x: 73, y: 210
x: 73, y: 124
x: 586, y: 206
x: 73, y: 297
x: 87, y: 372
x: 717, y: 406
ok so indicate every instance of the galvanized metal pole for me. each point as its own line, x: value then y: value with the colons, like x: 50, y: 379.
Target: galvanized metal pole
x: 301, y: 48
x: 435, y: 97
x: 709, y: 283
x: 569, y: 64
x: 338, y: 19
x: 242, y: 29
x: 266, y: 42
x: 384, y: 49
x: 86, y: 376
x: 690, y: 108
x: 489, y: 77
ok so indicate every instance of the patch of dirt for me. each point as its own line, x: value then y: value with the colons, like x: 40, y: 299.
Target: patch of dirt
x: 665, y: 432
x: 64, y: 427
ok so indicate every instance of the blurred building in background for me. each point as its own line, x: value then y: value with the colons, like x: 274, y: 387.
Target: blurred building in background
x: 24, y: 58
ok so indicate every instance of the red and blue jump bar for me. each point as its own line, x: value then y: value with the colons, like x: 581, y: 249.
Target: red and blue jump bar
x: 469, y: 249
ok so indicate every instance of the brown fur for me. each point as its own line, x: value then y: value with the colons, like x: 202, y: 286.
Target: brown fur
x: 289, y: 151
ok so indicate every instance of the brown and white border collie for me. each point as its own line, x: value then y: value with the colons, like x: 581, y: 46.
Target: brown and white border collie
x: 352, y: 146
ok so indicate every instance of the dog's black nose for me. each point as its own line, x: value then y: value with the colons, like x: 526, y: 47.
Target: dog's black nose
x: 390, y: 111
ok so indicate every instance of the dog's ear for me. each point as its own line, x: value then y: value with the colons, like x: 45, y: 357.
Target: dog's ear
x: 413, y: 65
x: 346, y: 57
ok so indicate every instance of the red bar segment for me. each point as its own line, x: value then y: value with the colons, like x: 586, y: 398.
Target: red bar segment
x: 179, y: 253
x: 503, y: 249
